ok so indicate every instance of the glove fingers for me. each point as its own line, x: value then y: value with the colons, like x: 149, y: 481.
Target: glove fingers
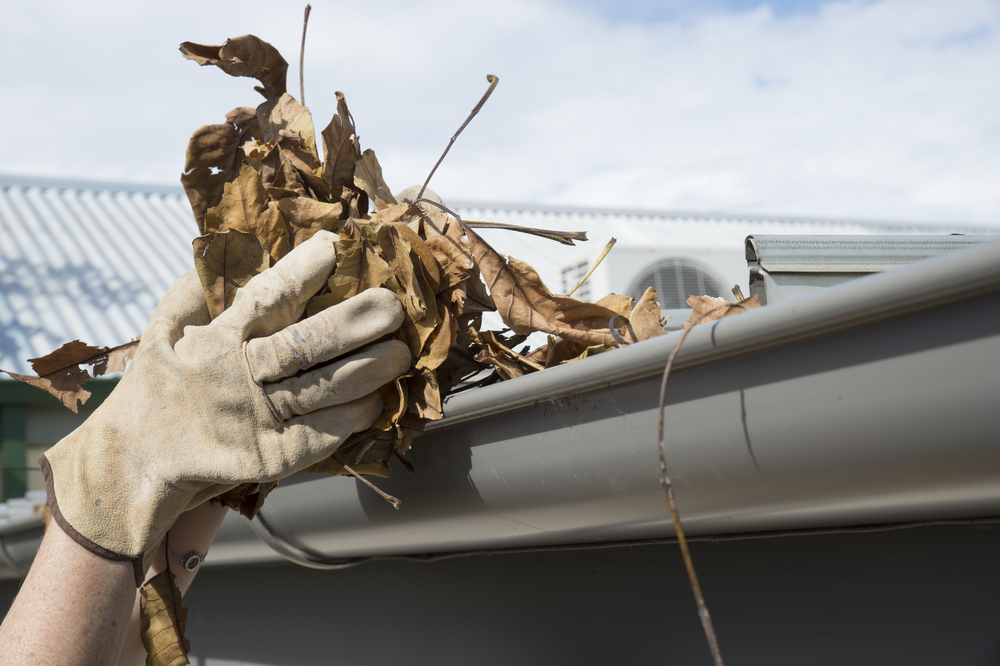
x: 277, y: 297
x: 346, y: 380
x: 331, y: 333
x: 322, y: 431
x: 183, y: 305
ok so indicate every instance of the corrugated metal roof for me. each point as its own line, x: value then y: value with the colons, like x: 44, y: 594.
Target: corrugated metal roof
x: 90, y: 260
x: 84, y: 261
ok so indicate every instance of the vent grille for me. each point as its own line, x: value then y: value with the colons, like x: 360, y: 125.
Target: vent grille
x: 571, y: 276
x: 674, y: 280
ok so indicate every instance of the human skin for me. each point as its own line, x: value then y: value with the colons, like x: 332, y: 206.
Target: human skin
x: 76, y: 608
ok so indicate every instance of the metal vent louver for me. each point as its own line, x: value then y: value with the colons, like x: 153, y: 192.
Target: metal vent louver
x: 674, y: 280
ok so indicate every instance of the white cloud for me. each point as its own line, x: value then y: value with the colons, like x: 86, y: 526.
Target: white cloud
x: 884, y: 109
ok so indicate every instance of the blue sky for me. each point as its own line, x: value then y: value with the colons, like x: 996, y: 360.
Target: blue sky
x: 882, y: 109
x: 653, y: 11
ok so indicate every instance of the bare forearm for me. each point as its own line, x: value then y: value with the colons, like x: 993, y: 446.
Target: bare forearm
x: 72, y: 609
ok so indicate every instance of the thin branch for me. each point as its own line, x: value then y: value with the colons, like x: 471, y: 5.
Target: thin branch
x: 564, y: 237
x: 706, y: 619
x: 302, y: 57
x: 489, y: 91
x: 607, y: 248
x: 386, y: 496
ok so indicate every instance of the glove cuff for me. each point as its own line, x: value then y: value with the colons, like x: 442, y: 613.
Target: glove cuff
x: 50, y: 492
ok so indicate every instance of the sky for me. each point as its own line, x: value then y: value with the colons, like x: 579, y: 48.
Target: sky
x: 878, y: 110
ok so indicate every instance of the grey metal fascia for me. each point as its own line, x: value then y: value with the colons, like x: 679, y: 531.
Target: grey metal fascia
x: 850, y: 254
x: 877, y: 296
x: 722, y: 215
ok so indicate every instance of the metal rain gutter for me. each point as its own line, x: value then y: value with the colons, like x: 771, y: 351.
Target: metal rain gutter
x: 866, y: 403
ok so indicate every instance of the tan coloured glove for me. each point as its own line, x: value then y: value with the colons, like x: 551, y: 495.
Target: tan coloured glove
x: 205, y: 407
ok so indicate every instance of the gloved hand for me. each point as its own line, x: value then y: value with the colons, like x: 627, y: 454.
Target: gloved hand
x: 205, y: 407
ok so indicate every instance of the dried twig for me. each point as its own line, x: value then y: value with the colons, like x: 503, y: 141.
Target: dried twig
x: 564, y: 237
x: 302, y: 57
x: 604, y: 253
x: 489, y: 91
x: 706, y: 619
x: 386, y: 496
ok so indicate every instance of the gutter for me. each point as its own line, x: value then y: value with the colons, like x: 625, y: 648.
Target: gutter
x: 870, y: 402
x: 865, y: 403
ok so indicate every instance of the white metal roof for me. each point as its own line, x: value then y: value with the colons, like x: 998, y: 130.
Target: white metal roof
x: 90, y: 260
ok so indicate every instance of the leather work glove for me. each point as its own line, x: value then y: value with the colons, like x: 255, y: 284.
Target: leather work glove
x: 206, y: 406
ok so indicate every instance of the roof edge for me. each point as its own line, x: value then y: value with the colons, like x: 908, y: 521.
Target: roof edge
x: 44, y: 182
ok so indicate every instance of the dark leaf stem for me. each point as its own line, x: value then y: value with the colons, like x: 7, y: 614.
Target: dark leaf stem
x: 706, y: 619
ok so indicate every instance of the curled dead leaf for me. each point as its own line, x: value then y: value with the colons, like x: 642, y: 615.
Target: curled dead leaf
x: 225, y: 261
x: 213, y: 159
x: 526, y: 304
x: 244, y: 56
x: 368, y: 177
x: 646, y: 318
x: 710, y: 308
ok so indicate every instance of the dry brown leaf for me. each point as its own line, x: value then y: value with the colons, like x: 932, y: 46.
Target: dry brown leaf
x: 287, y: 122
x: 619, y: 304
x: 424, y: 256
x: 561, y: 351
x: 712, y: 308
x: 359, y: 267
x: 453, y: 255
x: 163, y: 621
x: 213, y: 159
x: 439, y: 343
x: 368, y: 177
x: 245, y: 207
x: 394, y: 397
x: 525, y: 304
x: 341, y: 150
x: 65, y: 385
x: 306, y: 216
x: 470, y: 297
x: 286, y: 181
x: 247, y: 498
x: 60, y: 374
x: 226, y: 261
x: 425, y: 395
x: 646, y: 318
x: 506, y: 362
x: 117, y: 358
x: 244, y: 56
x: 395, y: 250
x: 70, y: 354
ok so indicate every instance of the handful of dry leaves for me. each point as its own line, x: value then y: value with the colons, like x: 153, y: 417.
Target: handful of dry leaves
x: 259, y: 186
